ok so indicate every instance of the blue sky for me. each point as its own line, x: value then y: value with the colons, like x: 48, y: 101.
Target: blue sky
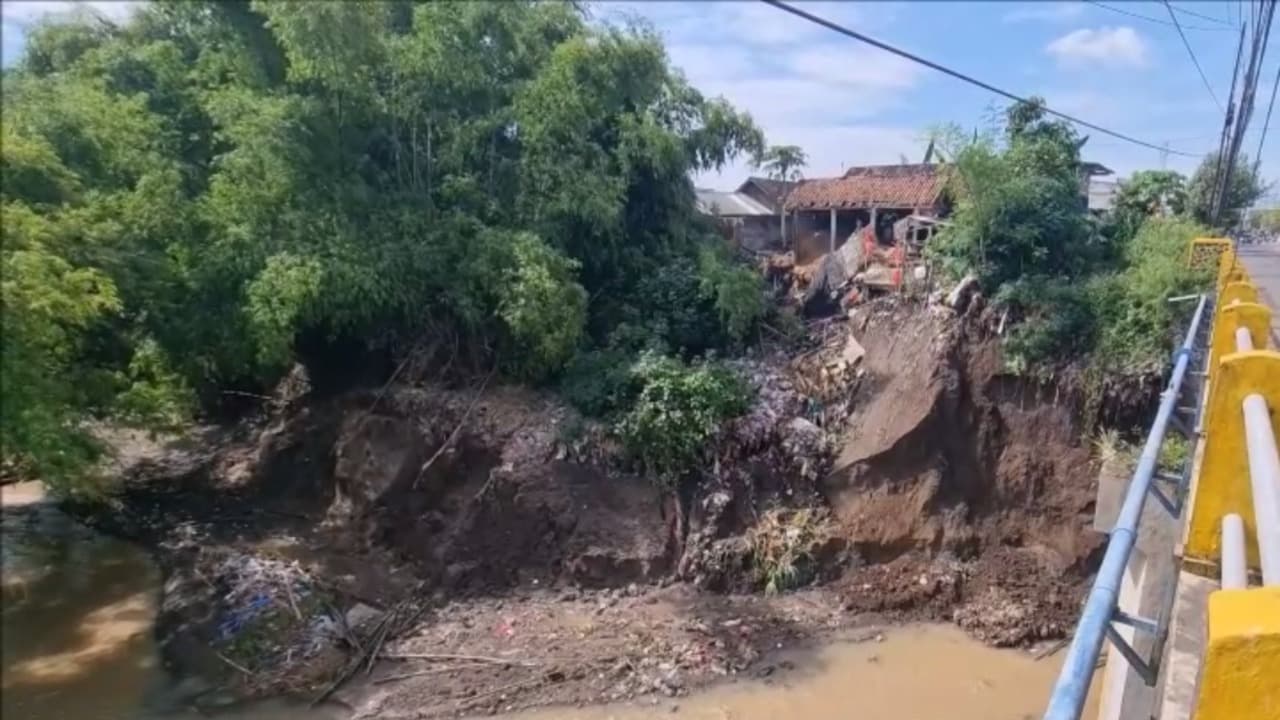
x: 847, y: 103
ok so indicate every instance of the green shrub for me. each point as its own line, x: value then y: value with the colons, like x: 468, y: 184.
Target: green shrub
x: 679, y: 409
x: 1122, y: 319
x: 544, y: 308
x: 737, y: 293
x: 1138, y: 327
x: 599, y: 382
x: 1057, y: 318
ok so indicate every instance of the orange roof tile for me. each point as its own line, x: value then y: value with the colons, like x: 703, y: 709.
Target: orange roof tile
x: 892, y: 186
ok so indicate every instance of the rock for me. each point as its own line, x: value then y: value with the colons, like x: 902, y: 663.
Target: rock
x: 959, y: 296
x: 359, y: 614
x: 824, y: 289
x: 853, y: 350
x: 375, y: 453
x: 456, y: 572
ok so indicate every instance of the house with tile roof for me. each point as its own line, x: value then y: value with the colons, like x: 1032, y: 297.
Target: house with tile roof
x: 875, y: 196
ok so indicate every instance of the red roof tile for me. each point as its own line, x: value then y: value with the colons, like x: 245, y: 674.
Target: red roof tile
x: 893, y: 186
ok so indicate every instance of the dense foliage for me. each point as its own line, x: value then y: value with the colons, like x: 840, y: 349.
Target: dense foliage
x: 1018, y: 210
x: 1266, y: 220
x: 678, y: 410
x: 782, y: 162
x: 1075, y: 287
x: 188, y: 195
x: 1245, y: 188
x: 1144, y: 194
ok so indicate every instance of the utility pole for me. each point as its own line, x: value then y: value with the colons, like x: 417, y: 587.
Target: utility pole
x: 1164, y: 156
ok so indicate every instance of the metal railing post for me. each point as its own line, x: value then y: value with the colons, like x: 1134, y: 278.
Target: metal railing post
x: 1235, y: 574
x: 1072, y: 687
x: 1264, y: 480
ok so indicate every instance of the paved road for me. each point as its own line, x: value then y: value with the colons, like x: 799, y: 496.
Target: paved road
x: 1263, y: 263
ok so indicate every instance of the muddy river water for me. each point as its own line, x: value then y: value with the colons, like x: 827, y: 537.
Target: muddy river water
x: 77, y: 643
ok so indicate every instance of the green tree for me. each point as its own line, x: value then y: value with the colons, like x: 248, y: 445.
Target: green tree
x: 1018, y: 204
x: 198, y: 189
x: 1145, y: 194
x: 1267, y: 220
x: 782, y: 162
x: 1242, y: 191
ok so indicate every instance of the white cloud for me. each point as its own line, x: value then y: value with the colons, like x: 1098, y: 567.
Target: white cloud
x: 27, y: 12
x: 1107, y: 46
x: 854, y: 65
x: 1045, y: 12
x: 708, y: 62
x: 801, y: 84
x: 759, y: 24
x: 784, y: 101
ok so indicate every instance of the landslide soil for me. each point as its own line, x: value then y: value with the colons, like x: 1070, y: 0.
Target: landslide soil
x: 524, y: 565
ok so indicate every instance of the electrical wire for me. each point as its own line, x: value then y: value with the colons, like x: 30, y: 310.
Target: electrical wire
x: 961, y: 76
x: 1157, y: 21
x: 1228, y: 120
x: 1266, y: 123
x: 1192, y: 53
x: 1258, y: 50
x: 1202, y: 16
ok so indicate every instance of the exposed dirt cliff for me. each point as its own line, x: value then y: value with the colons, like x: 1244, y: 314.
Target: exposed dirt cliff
x: 903, y: 471
x: 973, y: 488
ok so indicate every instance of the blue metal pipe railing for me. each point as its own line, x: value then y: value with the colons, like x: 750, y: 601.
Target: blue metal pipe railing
x: 1072, y: 688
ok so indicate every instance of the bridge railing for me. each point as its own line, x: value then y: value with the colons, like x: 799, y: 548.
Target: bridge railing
x: 1233, y: 526
x: 1176, y: 413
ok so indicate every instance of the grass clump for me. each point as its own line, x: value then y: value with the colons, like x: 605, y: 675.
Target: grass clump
x: 782, y: 546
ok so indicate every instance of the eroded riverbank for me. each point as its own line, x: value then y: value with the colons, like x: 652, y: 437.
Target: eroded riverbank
x: 425, y: 550
x: 78, y: 642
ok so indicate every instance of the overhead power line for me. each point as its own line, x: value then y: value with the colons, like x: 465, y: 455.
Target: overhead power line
x: 1157, y: 21
x: 1263, y: 15
x: 1202, y: 16
x: 1192, y: 53
x: 1257, y: 160
x: 961, y: 76
x: 1227, y: 121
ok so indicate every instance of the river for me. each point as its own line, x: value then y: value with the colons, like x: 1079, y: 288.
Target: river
x: 78, y: 643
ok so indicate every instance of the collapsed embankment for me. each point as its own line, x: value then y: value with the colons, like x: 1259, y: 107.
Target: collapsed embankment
x: 904, y: 469
x: 968, y: 491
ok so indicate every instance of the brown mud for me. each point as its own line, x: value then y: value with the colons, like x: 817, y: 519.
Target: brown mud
x: 484, y: 550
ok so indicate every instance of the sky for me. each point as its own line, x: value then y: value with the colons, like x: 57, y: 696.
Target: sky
x: 846, y: 103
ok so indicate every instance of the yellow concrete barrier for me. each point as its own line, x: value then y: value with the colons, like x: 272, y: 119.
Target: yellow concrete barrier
x: 1202, y: 252
x: 1230, y: 317
x: 1240, y: 677
x: 1222, y: 483
x: 1245, y: 292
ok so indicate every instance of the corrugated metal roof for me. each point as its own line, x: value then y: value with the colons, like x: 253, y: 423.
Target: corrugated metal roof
x: 729, y: 204
x: 774, y: 191
x: 896, y: 186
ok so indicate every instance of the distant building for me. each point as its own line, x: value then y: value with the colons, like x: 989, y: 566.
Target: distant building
x: 751, y: 215
x: 1102, y: 195
x: 1096, y: 195
x: 767, y: 191
x: 820, y: 214
x: 747, y: 223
